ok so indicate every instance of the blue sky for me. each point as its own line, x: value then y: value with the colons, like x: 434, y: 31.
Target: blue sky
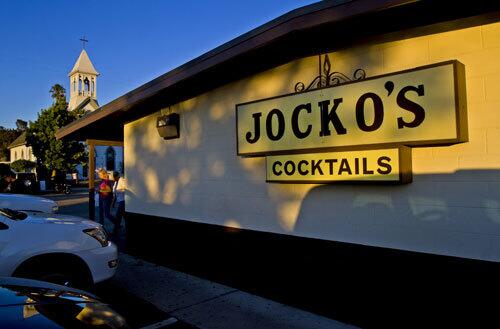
x: 130, y: 42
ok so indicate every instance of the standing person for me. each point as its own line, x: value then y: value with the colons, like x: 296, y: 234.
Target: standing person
x: 105, y: 196
x: 118, y: 200
x: 7, y: 178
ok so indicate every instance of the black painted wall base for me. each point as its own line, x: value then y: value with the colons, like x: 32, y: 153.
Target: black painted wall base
x: 365, y: 286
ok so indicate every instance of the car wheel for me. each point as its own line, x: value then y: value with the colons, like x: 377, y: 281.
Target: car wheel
x: 54, y: 273
x: 64, y: 279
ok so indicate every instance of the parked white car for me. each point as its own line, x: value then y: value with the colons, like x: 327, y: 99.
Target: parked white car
x: 27, y: 202
x: 62, y: 249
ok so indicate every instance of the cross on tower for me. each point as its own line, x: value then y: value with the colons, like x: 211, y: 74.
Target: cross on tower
x: 83, y: 40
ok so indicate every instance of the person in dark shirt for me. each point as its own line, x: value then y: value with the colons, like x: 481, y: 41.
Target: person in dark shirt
x: 7, y: 179
x: 118, y: 200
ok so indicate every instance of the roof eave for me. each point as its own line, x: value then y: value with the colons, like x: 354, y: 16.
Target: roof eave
x: 301, y: 20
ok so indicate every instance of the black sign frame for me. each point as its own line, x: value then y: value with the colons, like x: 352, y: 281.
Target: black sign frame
x: 460, y: 114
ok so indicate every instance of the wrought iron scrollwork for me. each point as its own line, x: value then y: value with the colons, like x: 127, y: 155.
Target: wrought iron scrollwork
x: 329, y: 79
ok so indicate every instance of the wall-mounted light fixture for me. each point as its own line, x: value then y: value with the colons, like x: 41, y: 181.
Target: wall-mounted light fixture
x: 168, y: 126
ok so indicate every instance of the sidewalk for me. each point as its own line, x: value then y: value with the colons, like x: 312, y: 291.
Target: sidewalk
x: 206, y: 304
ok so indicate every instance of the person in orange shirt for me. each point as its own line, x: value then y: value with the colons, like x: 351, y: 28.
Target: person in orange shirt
x: 105, y: 196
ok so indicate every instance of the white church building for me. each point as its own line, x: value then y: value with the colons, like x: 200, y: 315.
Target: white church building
x: 83, y: 95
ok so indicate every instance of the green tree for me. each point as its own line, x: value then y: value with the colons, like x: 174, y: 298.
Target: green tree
x: 21, y: 125
x: 58, y: 93
x: 23, y: 165
x: 53, y: 154
x: 7, y: 136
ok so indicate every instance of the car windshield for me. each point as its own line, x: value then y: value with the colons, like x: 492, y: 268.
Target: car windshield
x: 13, y: 214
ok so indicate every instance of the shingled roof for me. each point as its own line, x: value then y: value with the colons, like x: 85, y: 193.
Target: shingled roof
x: 21, y: 140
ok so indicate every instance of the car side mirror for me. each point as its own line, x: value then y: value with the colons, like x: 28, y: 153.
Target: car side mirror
x: 3, y: 226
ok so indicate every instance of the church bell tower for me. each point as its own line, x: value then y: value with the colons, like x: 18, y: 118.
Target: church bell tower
x: 83, y: 84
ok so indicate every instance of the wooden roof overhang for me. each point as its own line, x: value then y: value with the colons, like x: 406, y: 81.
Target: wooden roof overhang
x: 318, y: 28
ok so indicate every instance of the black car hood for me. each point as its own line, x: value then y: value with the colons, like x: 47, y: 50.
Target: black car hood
x: 14, y: 291
x: 34, y: 304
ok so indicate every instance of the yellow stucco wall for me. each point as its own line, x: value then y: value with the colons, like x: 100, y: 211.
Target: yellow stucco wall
x: 452, y: 207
